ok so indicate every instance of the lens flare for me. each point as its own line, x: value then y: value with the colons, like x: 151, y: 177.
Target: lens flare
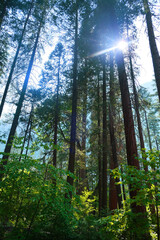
x: 122, y: 45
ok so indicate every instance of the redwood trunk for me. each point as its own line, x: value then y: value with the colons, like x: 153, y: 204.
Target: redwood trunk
x: 71, y: 164
x: 112, y: 131
x: 131, y: 146
x: 99, y: 149
x: 104, y: 160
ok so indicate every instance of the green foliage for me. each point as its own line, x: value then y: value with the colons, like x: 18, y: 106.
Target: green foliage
x: 33, y: 205
x: 146, y: 184
x: 31, y: 202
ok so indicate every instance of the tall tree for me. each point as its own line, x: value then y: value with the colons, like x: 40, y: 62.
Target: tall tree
x: 109, y: 15
x: 114, y: 158
x: 153, y: 45
x: 71, y: 164
x: 26, y: 132
x: 19, y: 106
x: 99, y: 147
x: 104, y: 160
x: 83, y: 182
x: 136, y: 102
x: 58, y: 52
x: 15, y: 59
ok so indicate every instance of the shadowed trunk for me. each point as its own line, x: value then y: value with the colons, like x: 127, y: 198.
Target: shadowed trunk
x: 99, y: 148
x: 71, y: 164
x: 104, y: 160
x: 131, y: 146
x: 112, y: 131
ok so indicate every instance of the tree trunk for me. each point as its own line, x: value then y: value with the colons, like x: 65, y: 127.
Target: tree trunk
x: 136, y: 101
x: 112, y: 131
x: 127, y: 112
x: 152, y: 208
x: 71, y: 164
x: 25, y: 136
x: 29, y: 139
x: 131, y: 146
x: 82, y: 172
x: 56, y: 115
x: 148, y: 131
x: 153, y: 45
x: 130, y: 142
x: 14, y: 61
x: 113, y: 201
x: 19, y: 106
x: 99, y: 148
x: 104, y: 161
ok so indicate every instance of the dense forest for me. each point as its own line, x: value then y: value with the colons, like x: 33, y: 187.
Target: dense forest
x: 79, y: 135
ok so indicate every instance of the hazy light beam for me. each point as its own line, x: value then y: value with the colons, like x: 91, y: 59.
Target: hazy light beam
x: 121, y: 45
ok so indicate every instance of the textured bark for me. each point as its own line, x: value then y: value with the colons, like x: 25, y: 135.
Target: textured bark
x: 130, y: 140
x: 19, y: 106
x: 99, y: 148
x: 112, y: 131
x: 15, y: 60
x: 131, y: 146
x: 153, y: 45
x: 71, y: 165
x: 127, y: 112
x: 104, y: 160
x: 127, y: 115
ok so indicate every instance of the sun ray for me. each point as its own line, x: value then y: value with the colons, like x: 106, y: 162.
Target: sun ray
x: 121, y: 45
